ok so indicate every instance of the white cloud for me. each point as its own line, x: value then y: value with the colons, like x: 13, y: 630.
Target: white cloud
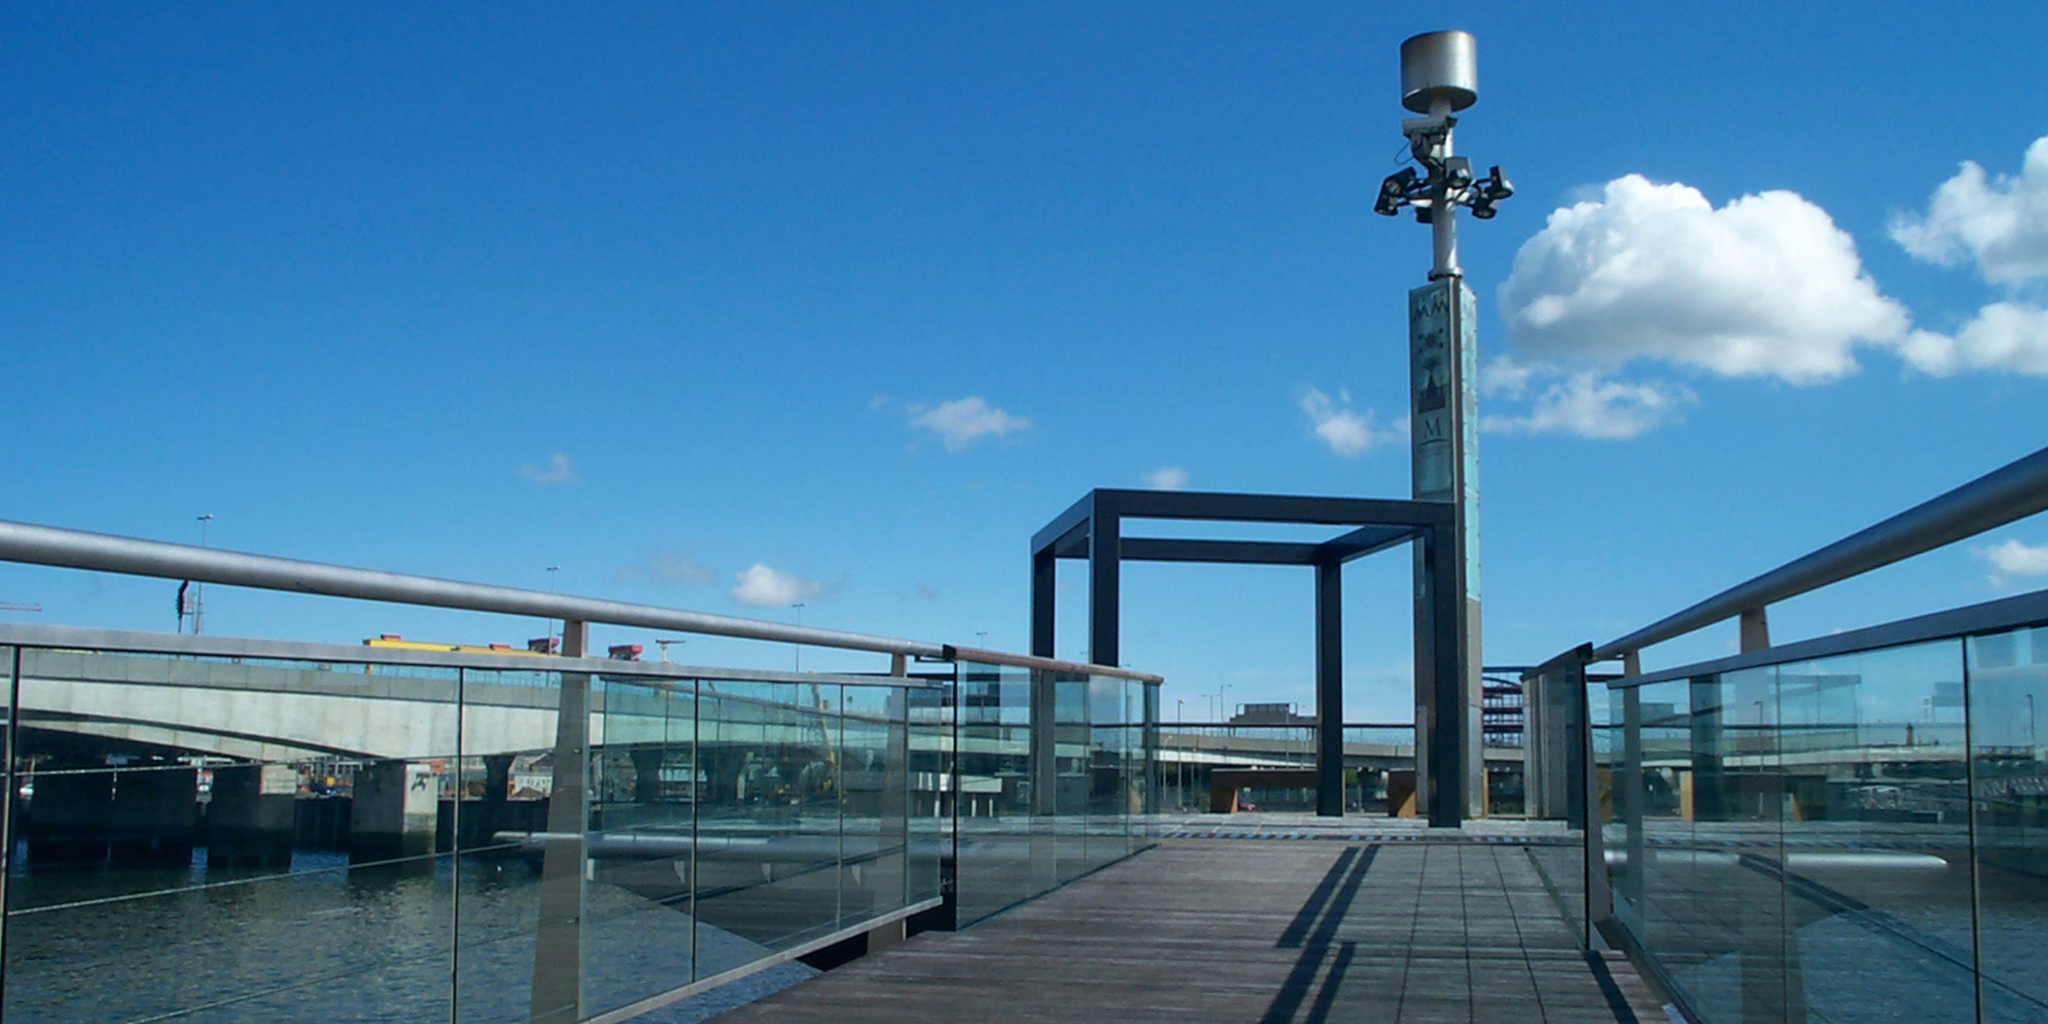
x: 2001, y: 224
x: 1167, y: 478
x: 1766, y: 285
x: 1585, y: 405
x: 1503, y: 376
x: 559, y: 470
x: 758, y: 586
x: 1346, y: 432
x: 2009, y: 336
x: 2013, y: 558
x: 963, y: 421
x: 671, y: 565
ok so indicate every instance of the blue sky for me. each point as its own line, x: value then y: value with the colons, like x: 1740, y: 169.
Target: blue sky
x: 729, y: 306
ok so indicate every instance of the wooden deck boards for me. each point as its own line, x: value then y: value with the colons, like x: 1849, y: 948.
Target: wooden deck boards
x: 1196, y: 931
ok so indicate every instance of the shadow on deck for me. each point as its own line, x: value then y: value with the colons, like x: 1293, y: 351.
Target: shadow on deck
x: 1252, y: 930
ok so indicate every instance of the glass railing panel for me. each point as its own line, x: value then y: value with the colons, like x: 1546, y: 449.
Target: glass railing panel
x: 874, y: 766
x: 1657, y: 890
x: 1004, y: 845
x: 637, y: 925
x: 10, y: 799
x: 2008, y: 674
x: 218, y: 839
x: 932, y: 800
x: 767, y: 820
x: 506, y: 950
x: 1073, y: 764
x: 1561, y: 863
x: 1739, y: 796
x: 1110, y: 777
x: 1875, y: 825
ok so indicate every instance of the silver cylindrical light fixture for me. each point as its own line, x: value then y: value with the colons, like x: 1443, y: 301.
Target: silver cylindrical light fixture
x: 1439, y: 66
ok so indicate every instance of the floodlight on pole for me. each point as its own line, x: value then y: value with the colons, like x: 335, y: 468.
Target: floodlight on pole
x: 1440, y: 76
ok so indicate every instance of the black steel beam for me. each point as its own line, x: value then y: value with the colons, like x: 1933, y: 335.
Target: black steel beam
x: 1105, y: 571
x: 1446, y: 744
x: 1366, y: 540
x: 1330, y: 689
x: 1244, y: 552
x: 1075, y: 517
x: 1271, y: 508
x: 1044, y: 595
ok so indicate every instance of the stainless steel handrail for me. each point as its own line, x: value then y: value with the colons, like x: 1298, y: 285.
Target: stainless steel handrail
x: 984, y: 656
x: 2014, y: 491
x: 78, y: 549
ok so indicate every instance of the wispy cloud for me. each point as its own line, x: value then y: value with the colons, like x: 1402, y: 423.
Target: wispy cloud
x: 559, y: 470
x: 963, y: 421
x: 2000, y: 224
x: 1167, y: 478
x: 1346, y: 432
x: 666, y: 566
x: 758, y: 586
x: 2014, y: 558
x: 1584, y: 404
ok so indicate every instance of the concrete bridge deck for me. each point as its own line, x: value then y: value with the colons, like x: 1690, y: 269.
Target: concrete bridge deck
x: 1251, y: 930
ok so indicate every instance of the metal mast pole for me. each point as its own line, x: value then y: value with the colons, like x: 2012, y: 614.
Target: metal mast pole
x: 1439, y: 77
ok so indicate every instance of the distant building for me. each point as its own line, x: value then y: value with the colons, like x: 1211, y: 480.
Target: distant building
x: 1501, y: 717
x: 1277, y: 713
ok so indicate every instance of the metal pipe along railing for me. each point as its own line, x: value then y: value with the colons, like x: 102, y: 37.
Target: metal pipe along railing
x: 78, y: 549
x: 2014, y: 491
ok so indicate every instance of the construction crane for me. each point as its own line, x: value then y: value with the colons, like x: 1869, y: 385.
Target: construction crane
x: 16, y: 606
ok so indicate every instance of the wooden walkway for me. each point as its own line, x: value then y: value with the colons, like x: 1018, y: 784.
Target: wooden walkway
x: 1195, y: 931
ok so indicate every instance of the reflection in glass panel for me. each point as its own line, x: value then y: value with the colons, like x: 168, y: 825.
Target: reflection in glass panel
x: 931, y: 772
x: 1108, y: 778
x: 636, y: 926
x: 2008, y: 689
x: 10, y: 809
x: 1560, y: 788
x: 874, y: 769
x: 1739, y: 796
x: 1002, y: 856
x: 1661, y: 834
x: 1876, y: 872
x: 505, y: 791
x: 258, y: 835
x: 767, y: 873
x: 1073, y: 753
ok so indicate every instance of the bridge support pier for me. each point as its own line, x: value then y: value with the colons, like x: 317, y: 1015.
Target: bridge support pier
x: 253, y: 816
x: 128, y: 815
x: 394, y: 812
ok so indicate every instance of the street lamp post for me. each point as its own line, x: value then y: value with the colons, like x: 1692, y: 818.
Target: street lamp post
x: 199, y: 589
x: 548, y: 625
x: 2031, y: 740
x: 799, y: 606
x: 1180, y: 775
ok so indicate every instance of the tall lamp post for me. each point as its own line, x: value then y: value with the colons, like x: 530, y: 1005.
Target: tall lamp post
x: 199, y: 589
x: 1180, y: 775
x: 1439, y: 77
x: 799, y: 606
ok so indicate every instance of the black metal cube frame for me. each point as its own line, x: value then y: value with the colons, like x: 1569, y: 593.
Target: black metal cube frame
x: 1092, y: 529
